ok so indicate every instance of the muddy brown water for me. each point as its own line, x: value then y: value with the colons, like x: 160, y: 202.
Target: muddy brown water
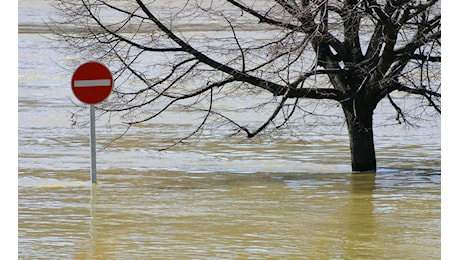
x: 219, y: 197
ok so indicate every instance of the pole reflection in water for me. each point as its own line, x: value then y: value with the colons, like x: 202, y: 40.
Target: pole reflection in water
x: 92, y: 230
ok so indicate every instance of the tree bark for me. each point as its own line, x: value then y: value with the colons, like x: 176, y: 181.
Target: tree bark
x: 359, y: 122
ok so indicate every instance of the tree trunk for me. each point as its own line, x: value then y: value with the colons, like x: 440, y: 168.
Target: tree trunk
x: 359, y: 122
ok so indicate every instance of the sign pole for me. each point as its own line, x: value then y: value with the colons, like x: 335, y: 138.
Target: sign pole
x: 92, y: 140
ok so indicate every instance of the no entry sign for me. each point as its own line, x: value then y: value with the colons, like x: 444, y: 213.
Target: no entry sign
x: 92, y: 83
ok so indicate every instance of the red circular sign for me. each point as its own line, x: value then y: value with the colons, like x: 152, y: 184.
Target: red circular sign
x: 92, y: 83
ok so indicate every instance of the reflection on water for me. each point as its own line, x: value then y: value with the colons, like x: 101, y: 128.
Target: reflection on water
x: 170, y: 215
x: 219, y: 198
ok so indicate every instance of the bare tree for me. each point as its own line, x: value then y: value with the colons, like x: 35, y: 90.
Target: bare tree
x: 352, y: 52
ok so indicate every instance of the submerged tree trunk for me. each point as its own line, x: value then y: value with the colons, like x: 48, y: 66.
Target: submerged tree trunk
x: 359, y: 122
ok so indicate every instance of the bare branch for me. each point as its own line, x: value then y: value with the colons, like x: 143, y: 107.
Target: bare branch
x: 399, y: 113
x: 241, y: 76
x: 263, y: 18
x: 123, y: 39
x: 197, y: 129
x: 418, y: 91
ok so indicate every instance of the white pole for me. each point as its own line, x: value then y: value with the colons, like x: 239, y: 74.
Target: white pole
x: 92, y: 140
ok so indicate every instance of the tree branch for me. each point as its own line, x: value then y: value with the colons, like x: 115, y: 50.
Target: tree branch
x: 417, y: 91
x: 197, y: 129
x: 399, y: 112
x: 263, y: 18
x: 238, y: 75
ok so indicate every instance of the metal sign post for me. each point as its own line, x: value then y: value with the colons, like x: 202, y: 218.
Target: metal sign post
x: 92, y: 83
x: 92, y: 140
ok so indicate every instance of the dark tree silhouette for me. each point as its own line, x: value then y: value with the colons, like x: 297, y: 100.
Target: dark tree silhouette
x: 361, y: 51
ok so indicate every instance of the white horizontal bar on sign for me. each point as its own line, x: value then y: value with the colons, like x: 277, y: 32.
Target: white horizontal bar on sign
x: 92, y: 83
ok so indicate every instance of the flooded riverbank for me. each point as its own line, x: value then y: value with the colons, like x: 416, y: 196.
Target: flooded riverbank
x: 219, y: 197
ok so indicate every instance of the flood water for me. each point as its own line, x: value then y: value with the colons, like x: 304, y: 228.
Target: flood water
x: 220, y: 197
